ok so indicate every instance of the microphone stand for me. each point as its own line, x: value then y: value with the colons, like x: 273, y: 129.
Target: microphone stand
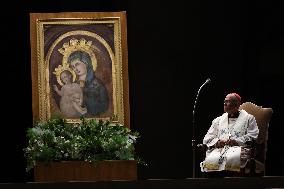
x: 193, y: 128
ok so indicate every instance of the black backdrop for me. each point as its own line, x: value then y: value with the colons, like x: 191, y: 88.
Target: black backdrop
x: 173, y: 46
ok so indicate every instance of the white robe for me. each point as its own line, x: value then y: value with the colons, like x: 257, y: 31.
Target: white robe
x: 242, y: 129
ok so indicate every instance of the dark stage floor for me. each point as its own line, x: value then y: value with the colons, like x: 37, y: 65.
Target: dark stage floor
x: 229, y: 183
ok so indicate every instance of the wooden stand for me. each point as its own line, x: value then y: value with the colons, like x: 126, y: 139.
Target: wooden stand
x: 85, y: 171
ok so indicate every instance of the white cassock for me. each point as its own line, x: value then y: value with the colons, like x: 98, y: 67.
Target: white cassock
x: 241, y: 129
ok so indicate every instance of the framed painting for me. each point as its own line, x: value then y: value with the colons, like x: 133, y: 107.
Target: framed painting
x: 79, y: 66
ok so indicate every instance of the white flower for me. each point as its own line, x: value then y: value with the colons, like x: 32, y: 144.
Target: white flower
x: 37, y: 130
x: 133, y: 138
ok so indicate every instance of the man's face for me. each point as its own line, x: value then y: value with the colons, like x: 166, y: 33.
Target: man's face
x: 230, y: 105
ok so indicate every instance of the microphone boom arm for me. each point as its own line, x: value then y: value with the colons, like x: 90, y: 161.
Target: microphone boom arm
x: 193, y: 127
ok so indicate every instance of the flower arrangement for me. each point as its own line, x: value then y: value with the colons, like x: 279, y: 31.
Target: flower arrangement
x: 88, y: 140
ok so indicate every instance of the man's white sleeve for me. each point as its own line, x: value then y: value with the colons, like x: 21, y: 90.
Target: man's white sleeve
x: 211, y: 137
x: 251, y: 134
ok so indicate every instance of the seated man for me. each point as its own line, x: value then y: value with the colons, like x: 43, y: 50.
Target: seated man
x: 227, y: 136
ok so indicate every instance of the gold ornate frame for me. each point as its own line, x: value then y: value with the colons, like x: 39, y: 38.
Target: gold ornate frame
x: 102, y: 36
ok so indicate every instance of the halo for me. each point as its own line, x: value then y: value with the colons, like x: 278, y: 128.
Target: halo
x: 60, y: 69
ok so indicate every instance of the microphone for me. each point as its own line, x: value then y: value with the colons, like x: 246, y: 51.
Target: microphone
x: 206, y: 82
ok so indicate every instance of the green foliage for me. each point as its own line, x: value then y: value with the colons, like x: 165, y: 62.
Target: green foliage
x: 89, y: 140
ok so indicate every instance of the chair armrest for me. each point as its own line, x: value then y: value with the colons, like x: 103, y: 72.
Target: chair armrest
x: 252, y: 145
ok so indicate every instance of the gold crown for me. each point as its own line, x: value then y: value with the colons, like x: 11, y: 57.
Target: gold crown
x: 79, y: 45
x: 60, y: 69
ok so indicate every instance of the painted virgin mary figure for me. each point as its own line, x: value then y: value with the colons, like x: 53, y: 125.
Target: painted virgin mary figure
x: 95, y: 95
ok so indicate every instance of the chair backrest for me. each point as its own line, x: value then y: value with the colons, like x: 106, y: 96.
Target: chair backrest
x: 262, y: 116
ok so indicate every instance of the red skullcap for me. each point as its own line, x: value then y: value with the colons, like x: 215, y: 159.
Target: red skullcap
x: 237, y: 96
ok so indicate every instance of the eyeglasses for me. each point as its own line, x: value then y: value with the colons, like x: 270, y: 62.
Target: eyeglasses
x: 227, y: 101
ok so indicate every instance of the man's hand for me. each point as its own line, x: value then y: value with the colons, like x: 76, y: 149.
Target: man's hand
x: 232, y: 143
x: 220, y: 143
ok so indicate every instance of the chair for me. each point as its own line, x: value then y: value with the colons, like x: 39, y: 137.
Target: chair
x: 256, y: 164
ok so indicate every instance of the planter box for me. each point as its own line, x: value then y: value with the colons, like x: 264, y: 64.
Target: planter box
x: 85, y: 171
